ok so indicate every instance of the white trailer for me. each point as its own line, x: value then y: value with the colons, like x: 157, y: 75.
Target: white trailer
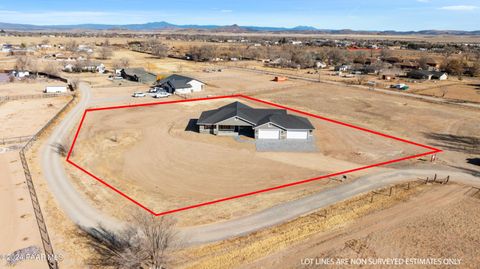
x: 55, y: 89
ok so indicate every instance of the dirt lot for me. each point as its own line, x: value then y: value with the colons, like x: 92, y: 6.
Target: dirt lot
x: 25, y: 117
x: 448, y: 127
x: 147, y: 153
x: 19, y: 227
x: 424, y: 221
x: 27, y: 87
x: 441, y: 223
x: 466, y: 89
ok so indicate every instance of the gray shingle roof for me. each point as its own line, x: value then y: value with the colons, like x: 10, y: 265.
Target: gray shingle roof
x: 255, y: 116
x: 176, y: 81
x: 288, y: 121
x: 142, y: 74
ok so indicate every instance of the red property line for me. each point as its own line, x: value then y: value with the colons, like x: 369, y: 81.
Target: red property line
x: 432, y: 151
x: 339, y: 122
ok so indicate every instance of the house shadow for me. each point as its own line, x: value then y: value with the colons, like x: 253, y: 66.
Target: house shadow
x: 474, y: 161
x: 192, y: 126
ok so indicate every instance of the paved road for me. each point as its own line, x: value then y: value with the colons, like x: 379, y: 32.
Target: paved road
x: 74, y: 204
x: 84, y: 214
x: 291, y: 210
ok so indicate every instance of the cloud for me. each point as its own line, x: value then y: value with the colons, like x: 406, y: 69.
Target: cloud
x: 226, y: 11
x: 459, y: 8
x: 423, y: 1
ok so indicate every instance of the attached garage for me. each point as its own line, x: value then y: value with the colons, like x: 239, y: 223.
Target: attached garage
x: 268, y: 134
x: 297, y: 134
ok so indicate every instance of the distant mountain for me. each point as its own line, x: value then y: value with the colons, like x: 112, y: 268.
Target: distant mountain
x: 157, y: 26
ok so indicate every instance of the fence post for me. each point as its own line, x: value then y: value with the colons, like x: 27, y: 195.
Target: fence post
x: 42, y: 227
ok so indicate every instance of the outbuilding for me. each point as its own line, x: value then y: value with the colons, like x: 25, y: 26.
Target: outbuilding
x: 55, y: 89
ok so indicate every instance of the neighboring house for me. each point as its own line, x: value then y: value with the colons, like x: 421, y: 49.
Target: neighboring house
x: 343, y: 67
x: 439, y: 75
x: 239, y: 119
x: 320, y: 65
x: 76, y: 67
x: 6, y: 48
x: 427, y: 75
x: 138, y: 75
x: 20, y: 74
x: 408, y: 65
x: 180, y: 84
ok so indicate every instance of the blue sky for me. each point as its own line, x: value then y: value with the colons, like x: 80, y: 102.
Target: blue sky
x: 324, y: 14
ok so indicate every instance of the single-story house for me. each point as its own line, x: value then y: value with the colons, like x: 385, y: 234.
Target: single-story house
x: 138, y: 75
x: 427, y: 75
x: 79, y: 67
x: 20, y: 74
x: 180, y: 84
x: 239, y: 119
x: 343, y: 67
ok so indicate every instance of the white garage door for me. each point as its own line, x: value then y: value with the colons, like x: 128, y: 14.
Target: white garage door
x: 297, y: 134
x: 268, y: 134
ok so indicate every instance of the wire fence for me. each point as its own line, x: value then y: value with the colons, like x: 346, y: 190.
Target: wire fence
x: 32, y: 96
x: 14, y: 140
x: 47, y: 244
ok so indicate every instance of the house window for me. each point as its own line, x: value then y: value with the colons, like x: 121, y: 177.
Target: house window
x: 226, y: 127
x: 207, y: 127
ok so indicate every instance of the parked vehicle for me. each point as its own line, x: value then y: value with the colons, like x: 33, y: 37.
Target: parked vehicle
x: 400, y: 86
x: 139, y: 94
x: 162, y: 95
x: 155, y: 89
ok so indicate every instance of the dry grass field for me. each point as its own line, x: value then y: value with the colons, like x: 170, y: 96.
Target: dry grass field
x: 412, y: 222
x: 439, y: 222
x: 148, y: 154
x: 466, y: 89
x: 25, y: 117
x: 27, y: 87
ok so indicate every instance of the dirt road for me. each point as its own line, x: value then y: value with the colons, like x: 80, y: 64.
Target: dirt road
x: 74, y: 204
x: 84, y: 214
x: 290, y: 210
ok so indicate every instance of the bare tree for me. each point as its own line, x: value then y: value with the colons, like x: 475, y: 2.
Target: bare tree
x: 159, y: 50
x: 144, y: 243
x: 125, y: 62
x: 158, y: 237
x: 121, y: 63
x: 51, y: 68
x: 423, y: 62
x: 454, y: 67
x: 74, y: 83
x: 361, y: 79
x: 71, y: 45
x: 202, y: 53
x: 23, y: 63
x: 385, y: 53
x: 105, y: 52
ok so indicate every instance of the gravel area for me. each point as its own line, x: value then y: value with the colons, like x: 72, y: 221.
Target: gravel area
x: 286, y: 145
